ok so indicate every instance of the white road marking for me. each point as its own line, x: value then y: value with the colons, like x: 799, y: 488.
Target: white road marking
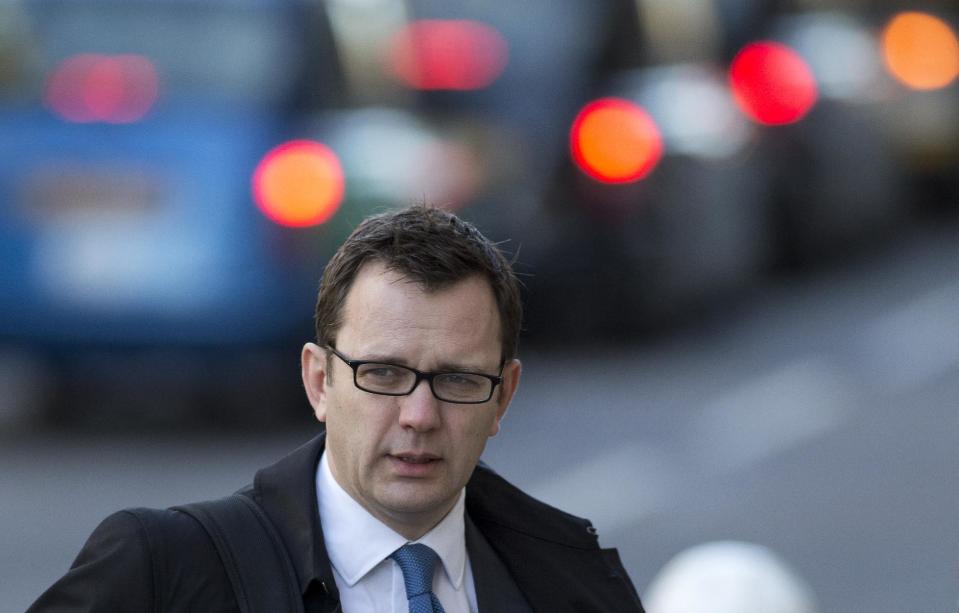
x: 770, y: 413
x: 613, y: 489
x: 914, y: 343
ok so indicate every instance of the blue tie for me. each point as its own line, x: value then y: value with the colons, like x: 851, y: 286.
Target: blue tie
x: 417, y: 563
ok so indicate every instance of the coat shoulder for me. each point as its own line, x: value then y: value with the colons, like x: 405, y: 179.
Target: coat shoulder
x: 491, y: 499
x: 143, y: 560
x: 554, y: 556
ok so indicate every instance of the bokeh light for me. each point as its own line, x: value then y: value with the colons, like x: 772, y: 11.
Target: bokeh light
x: 436, y: 54
x: 772, y: 84
x: 920, y: 50
x: 615, y: 141
x: 693, y: 110
x: 89, y: 87
x: 729, y: 577
x: 299, y: 184
x: 841, y: 50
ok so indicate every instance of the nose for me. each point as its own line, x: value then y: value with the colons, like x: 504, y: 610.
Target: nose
x: 420, y: 410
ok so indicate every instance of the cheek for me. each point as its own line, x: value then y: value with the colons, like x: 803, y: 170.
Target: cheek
x: 477, y: 429
x: 344, y: 430
x: 359, y: 427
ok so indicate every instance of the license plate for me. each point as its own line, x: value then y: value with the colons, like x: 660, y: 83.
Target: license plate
x: 55, y: 194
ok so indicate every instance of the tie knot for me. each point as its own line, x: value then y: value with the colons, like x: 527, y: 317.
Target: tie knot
x: 417, y: 562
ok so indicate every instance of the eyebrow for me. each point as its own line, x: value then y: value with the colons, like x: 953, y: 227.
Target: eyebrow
x: 450, y: 367
x: 441, y: 367
x: 382, y: 357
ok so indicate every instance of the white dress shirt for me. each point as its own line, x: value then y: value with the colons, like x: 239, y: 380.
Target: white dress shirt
x: 359, y: 545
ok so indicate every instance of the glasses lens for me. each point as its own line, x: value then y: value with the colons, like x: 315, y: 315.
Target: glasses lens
x: 385, y: 378
x: 462, y: 387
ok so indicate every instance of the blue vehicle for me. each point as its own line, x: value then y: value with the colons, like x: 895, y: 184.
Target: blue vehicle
x: 130, y: 134
x: 130, y: 137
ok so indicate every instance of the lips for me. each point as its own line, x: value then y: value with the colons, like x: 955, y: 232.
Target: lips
x: 415, y: 465
x: 415, y: 458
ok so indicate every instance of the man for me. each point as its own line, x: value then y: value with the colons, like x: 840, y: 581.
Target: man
x: 417, y: 324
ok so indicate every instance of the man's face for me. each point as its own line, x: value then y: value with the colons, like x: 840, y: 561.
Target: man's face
x: 406, y: 458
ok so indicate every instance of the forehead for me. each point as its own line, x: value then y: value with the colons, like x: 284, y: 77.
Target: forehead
x: 389, y: 314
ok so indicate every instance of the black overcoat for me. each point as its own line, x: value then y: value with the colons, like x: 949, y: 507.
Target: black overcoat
x: 162, y: 561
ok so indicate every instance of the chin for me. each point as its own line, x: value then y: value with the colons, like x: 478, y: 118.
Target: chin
x: 417, y: 500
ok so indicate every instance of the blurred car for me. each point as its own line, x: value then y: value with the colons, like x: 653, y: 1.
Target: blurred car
x: 131, y: 132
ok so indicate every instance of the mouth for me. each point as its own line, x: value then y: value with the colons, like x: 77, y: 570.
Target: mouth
x: 414, y: 465
x: 415, y: 458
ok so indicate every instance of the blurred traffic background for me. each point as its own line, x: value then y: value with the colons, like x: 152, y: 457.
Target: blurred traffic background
x: 736, y: 222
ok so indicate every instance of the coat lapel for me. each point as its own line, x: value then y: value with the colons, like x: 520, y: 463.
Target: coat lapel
x: 495, y: 589
x: 287, y: 492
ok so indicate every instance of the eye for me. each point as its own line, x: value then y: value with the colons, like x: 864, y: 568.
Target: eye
x: 462, y: 380
x: 381, y: 371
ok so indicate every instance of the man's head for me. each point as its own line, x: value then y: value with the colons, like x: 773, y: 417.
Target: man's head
x: 430, y: 247
x: 418, y: 289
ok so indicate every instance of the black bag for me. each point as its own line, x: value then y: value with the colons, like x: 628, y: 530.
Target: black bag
x: 252, y: 553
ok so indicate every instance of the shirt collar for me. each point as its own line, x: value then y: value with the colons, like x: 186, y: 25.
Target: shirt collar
x: 356, y: 542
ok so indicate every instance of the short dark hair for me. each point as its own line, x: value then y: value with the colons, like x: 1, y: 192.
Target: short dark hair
x: 431, y: 247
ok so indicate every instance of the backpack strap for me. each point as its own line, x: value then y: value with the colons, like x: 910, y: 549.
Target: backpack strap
x: 252, y: 553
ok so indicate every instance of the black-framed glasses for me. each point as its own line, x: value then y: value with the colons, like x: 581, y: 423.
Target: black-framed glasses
x: 396, y: 380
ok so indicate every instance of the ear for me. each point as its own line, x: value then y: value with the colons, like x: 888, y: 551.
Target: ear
x: 511, y: 373
x: 313, y: 361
